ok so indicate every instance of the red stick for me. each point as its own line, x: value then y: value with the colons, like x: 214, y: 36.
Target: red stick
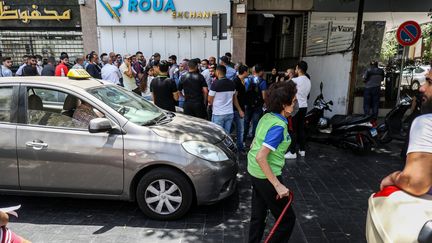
x: 275, y: 226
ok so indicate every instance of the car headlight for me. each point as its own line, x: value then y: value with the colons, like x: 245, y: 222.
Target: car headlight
x: 205, y: 151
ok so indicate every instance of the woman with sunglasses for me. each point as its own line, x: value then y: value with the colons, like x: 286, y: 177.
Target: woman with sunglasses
x: 265, y: 163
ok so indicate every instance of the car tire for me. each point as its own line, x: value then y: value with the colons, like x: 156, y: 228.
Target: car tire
x: 415, y: 85
x: 164, y: 194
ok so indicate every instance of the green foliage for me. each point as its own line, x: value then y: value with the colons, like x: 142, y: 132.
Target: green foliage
x: 390, y: 46
x: 427, y: 41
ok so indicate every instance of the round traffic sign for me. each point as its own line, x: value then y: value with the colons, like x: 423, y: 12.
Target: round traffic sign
x: 408, y: 33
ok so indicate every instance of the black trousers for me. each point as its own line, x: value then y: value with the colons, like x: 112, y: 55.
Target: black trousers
x: 299, y: 134
x: 195, y: 109
x: 263, y: 199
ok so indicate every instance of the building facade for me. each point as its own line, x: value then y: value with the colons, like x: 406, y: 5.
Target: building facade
x: 183, y: 28
x: 40, y: 27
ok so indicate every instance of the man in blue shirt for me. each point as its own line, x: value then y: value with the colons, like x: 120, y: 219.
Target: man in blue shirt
x: 5, y: 67
x: 256, y: 88
x: 230, y: 72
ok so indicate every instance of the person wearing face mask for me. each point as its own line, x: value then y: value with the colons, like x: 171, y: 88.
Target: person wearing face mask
x: 204, y: 65
x: 266, y: 161
x: 49, y: 68
x: 39, y: 64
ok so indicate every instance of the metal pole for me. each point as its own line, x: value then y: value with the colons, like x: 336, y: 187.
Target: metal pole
x: 218, y: 36
x: 401, y: 72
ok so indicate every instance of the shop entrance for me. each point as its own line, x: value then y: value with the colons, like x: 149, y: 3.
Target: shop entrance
x: 274, y: 40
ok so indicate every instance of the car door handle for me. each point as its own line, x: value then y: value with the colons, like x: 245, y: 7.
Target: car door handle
x: 37, y: 145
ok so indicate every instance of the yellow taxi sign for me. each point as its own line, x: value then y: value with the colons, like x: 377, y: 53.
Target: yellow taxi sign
x: 78, y: 74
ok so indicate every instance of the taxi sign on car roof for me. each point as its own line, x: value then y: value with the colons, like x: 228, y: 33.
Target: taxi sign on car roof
x: 78, y: 74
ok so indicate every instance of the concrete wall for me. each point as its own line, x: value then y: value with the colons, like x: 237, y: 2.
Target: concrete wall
x: 333, y: 71
x: 239, y: 21
x: 88, y: 25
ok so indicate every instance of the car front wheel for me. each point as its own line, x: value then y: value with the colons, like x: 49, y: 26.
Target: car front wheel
x: 164, y: 194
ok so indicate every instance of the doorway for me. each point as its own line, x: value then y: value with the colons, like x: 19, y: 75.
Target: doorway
x: 274, y: 40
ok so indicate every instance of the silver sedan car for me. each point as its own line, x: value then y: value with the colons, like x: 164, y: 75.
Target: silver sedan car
x: 91, y: 139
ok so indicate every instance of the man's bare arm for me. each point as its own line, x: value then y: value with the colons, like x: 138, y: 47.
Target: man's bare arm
x: 416, y: 177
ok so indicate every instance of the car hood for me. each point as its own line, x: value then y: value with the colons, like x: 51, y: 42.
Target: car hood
x: 187, y: 128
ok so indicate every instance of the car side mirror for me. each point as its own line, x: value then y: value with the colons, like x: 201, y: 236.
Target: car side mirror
x: 100, y: 125
x: 425, y: 233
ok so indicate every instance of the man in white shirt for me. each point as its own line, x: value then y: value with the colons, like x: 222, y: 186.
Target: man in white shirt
x: 110, y: 72
x: 127, y: 73
x: 416, y: 177
x: 24, y: 63
x: 303, y: 90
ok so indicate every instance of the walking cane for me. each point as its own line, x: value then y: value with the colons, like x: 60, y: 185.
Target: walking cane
x: 275, y: 226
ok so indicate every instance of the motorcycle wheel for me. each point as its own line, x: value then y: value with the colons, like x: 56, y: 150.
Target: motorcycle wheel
x: 363, y: 144
x: 383, y: 137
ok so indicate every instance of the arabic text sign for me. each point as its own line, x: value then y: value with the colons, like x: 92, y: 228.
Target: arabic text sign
x: 39, y: 14
x: 159, y: 12
x: 408, y: 33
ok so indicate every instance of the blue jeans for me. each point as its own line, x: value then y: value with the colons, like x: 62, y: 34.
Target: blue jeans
x: 371, y: 99
x: 239, y: 122
x: 251, y: 115
x: 225, y: 121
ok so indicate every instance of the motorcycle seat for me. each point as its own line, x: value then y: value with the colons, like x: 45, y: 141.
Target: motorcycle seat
x: 344, y: 120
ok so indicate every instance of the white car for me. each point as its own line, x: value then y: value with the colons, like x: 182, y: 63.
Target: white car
x: 414, y: 77
x: 398, y: 217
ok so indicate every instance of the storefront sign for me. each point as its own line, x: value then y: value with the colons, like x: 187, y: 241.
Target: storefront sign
x: 159, y: 12
x: 46, y: 14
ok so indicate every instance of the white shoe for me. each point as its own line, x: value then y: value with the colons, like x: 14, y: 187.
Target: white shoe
x: 302, y: 153
x: 290, y: 155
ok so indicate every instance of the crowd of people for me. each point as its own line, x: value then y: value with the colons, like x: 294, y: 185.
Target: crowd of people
x: 232, y: 96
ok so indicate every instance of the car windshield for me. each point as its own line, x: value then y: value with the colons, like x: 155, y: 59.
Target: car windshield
x: 131, y: 106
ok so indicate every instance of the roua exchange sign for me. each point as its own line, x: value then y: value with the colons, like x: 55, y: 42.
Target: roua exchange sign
x: 159, y: 12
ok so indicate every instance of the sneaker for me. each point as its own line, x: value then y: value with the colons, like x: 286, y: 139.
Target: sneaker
x: 302, y: 153
x: 290, y: 155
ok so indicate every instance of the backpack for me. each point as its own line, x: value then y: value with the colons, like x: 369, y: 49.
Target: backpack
x: 254, y: 97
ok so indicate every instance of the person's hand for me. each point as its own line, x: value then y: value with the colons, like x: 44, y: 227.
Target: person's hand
x: 387, y: 181
x: 4, y: 218
x: 242, y: 114
x: 281, y: 190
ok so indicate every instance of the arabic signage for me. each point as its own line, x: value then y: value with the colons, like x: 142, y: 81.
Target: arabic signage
x: 159, y: 12
x: 39, y: 14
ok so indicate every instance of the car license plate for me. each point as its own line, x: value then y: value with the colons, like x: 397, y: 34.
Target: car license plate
x: 373, y: 132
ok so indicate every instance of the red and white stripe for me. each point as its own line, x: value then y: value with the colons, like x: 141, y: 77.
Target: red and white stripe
x: 5, y: 235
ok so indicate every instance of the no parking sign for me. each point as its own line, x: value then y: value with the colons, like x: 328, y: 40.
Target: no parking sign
x: 408, y: 33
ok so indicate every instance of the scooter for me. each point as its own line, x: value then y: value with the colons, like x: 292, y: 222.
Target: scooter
x: 396, y: 125
x: 354, y: 132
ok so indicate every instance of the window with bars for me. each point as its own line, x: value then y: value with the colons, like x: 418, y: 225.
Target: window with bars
x: 16, y: 44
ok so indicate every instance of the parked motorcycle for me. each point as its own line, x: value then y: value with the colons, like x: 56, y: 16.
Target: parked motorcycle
x: 355, y: 132
x: 396, y: 125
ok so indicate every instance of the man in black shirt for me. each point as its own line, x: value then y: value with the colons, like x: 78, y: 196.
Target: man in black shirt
x: 195, y: 90
x: 93, y: 68
x: 164, y: 90
x: 30, y: 69
x: 239, y: 104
